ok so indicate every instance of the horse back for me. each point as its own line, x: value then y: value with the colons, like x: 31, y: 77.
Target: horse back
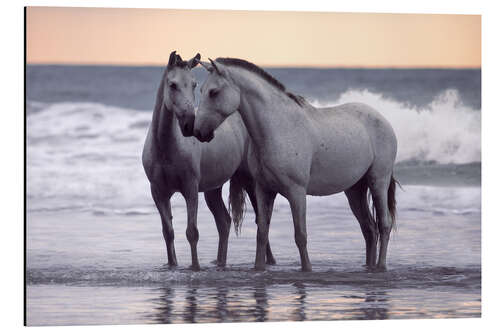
x: 349, y: 139
x: 357, y: 122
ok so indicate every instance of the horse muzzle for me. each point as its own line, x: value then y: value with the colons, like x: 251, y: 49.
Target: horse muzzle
x: 203, y: 136
x: 187, y: 125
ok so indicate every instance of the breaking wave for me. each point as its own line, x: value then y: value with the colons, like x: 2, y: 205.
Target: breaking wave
x: 445, y: 131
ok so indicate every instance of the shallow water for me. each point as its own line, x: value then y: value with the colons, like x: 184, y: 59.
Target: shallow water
x: 97, y: 268
x: 196, y: 303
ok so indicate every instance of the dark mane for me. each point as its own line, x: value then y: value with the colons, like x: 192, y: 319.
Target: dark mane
x: 263, y: 74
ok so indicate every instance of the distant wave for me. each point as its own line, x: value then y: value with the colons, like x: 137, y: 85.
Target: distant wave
x: 445, y: 131
x: 86, y: 155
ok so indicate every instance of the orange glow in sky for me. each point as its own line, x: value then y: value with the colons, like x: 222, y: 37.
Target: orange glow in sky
x: 147, y: 36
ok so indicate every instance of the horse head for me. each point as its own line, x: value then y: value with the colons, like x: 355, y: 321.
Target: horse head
x: 178, y: 91
x: 219, y: 99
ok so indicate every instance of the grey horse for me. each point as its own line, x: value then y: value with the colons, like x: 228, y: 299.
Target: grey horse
x: 297, y: 149
x: 174, y: 161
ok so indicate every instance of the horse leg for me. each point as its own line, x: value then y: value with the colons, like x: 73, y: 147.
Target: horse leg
x: 162, y: 202
x: 358, y: 202
x: 269, y: 254
x: 297, y: 199
x: 265, y: 202
x: 222, y: 220
x: 191, y: 196
x: 379, y: 189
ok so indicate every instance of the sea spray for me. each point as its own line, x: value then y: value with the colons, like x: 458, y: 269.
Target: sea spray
x: 87, y: 156
x: 444, y: 131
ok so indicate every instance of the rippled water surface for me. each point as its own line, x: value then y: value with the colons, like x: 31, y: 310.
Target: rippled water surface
x: 94, y: 268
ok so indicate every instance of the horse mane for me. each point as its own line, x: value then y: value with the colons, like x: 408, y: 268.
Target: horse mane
x: 155, y: 123
x: 301, y: 101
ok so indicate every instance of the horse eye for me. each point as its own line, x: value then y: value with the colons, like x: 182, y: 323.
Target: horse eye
x: 212, y: 93
x: 173, y: 86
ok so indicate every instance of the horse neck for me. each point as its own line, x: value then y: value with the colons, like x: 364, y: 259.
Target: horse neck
x: 263, y: 112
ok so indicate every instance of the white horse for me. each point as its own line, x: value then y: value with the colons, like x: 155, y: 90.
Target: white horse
x: 298, y: 149
x: 175, y: 162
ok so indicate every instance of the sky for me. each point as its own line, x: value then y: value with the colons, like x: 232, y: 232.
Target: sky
x: 59, y: 35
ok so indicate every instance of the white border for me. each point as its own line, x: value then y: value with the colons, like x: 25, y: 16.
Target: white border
x: 12, y: 157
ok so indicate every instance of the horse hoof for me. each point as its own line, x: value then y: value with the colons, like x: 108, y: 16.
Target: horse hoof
x: 220, y: 268
x: 195, y: 268
x: 370, y: 268
x: 172, y: 265
x: 307, y: 268
x: 271, y: 262
x: 260, y: 268
x: 380, y: 269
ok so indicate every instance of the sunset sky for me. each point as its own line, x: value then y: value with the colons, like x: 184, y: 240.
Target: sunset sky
x: 316, y: 39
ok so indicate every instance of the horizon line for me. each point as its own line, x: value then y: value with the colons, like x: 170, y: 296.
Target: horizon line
x: 308, y: 66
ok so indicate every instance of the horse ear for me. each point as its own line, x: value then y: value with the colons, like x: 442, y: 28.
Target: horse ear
x: 207, y: 66
x: 214, y: 66
x: 172, y: 60
x: 192, y: 63
x: 217, y: 69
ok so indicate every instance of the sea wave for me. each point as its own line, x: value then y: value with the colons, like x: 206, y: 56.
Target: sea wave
x: 444, y: 131
x: 88, y: 155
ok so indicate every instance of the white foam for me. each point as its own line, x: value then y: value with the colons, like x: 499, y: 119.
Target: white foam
x: 88, y: 155
x: 445, y: 131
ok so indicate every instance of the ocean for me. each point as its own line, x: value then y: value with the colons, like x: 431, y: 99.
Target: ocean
x: 95, y: 251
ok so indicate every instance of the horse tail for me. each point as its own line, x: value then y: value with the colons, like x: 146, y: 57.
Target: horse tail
x: 237, y: 201
x: 391, y: 200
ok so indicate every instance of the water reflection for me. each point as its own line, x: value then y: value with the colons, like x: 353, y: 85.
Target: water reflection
x: 299, y: 311
x: 375, y: 306
x: 165, y: 305
x: 222, y: 311
x: 191, y: 306
x: 261, y: 302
